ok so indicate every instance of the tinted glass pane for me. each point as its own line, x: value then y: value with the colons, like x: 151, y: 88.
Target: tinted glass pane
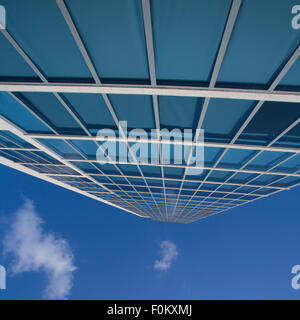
x: 121, y: 52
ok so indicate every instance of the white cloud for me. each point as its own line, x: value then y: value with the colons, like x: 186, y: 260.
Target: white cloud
x: 169, y: 253
x: 34, y: 250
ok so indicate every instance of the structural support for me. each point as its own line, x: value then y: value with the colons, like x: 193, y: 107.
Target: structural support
x: 165, y: 141
x: 201, y: 92
x: 274, y: 173
x: 171, y: 179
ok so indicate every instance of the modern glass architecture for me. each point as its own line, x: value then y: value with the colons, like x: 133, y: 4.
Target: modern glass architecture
x: 69, y: 68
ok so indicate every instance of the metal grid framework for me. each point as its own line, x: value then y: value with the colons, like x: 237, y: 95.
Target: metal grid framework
x: 244, y: 165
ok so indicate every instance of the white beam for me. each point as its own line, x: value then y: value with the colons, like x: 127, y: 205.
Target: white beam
x: 18, y: 149
x: 170, y: 179
x: 163, y: 141
x: 287, y: 174
x: 203, y: 92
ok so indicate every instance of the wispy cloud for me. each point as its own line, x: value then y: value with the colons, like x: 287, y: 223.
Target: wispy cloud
x: 169, y: 253
x: 34, y: 250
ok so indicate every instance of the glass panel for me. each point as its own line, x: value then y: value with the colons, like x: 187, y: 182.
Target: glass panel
x: 290, y: 139
x: 119, y: 180
x: 247, y: 189
x: 224, y: 117
x: 130, y: 170
x: 174, y: 184
x: 267, y: 160
x: 151, y: 171
x: 107, y: 168
x: 155, y: 182
x: 186, y: 37
x: 39, y: 27
x: 16, y: 113
x: 173, y: 172
x: 12, y: 64
x: 61, y: 147
x: 264, y: 191
x: 121, y: 52
x: 11, y: 140
x: 101, y: 179
x: 292, y: 77
x: 211, y: 155
x: 136, y: 181
x: 241, y: 177
x: 88, y: 148
x: 179, y: 112
x: 292, y: 165
x: 271, y: 119
x: 210, y: 186
x: 218, y: 176
x: 86, y: 167
x: 49, y: 106
x: 250, y: 197
x: 191, y: 185
x: 236, y: 158
x: 287, y: 182
x: 250, y: 59
x: 137, y: 110
x: 227, y: 188
x: 266, y: 179
x: 92, y: 109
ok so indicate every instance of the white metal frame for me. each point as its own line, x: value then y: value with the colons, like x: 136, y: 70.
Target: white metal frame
x: 197, y: 92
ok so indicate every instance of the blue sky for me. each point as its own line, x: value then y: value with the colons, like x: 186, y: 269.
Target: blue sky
x: 246, y: 253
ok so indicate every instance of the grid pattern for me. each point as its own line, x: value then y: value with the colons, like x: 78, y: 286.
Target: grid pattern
x: 108, y: 61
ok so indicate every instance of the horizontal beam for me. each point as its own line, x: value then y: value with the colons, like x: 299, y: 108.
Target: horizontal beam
x: 181, y: 206
x: 167, y: 179
x: 114, y: 139
x: 204, y: 92
x: 171, y: 195
x: 164, y: 141
x: 183, y: 166
x: 171, y: 166
x: 77, y: 184
x: 106, y: 196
